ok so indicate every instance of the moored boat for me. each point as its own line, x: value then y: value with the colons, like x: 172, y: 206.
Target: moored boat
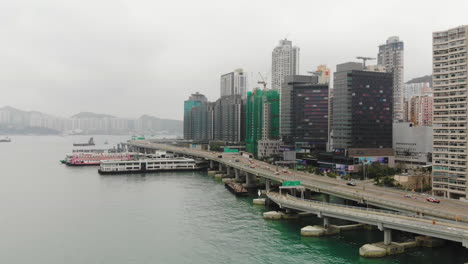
x: 148, y: 165
x: 94, y: 159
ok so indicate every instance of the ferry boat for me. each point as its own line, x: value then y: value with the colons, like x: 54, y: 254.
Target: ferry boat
x: 5, y: 140
x: 94, y: 159
x: 148, y: 165
x: 90, y: 143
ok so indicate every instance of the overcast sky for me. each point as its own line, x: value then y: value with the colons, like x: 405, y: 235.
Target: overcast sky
x: 135, y: 57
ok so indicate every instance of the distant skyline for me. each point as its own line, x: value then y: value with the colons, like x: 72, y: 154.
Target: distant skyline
x: 127, y: 58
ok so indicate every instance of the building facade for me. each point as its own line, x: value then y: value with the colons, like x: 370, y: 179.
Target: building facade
x: 391, y: 56
x: 362, y: 108
x: 412, y: 145
x: 196, y: 99
x: 229, y: 119
x: 285, y: 61
x: 262, y: 118
x: 450, y: 77
x: 304, y: 113
x: 419, y: 110
x: 234, y: 83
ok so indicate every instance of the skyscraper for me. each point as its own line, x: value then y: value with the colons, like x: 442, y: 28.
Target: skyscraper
x: 362, y: 108
x: 391, y: 57
x: 285, y: 61
x: 196, y: 99
x: 234, y: 83
x: 304, y: 116
x: 450, y: 80
x: 229, y: 119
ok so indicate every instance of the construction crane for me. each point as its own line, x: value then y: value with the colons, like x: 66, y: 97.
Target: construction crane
x: 263, y: 81
x: 364, y: 59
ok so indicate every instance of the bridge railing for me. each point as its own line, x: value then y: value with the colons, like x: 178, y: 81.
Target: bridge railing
x: 328, y: 188
x: 416, y: 223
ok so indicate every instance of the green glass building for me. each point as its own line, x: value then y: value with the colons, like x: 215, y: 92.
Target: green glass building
x: 262, y: 118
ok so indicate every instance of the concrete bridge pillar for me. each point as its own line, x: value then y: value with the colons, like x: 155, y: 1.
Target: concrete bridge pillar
x: 326, y: 198
x: 228, y: 169
x: 387, y: 236
x: 250, y: 180
x: 267, y: 185
x: 220, y: 166
x: 237, y: 174
x: 326, y: 222
x: 211, y: 164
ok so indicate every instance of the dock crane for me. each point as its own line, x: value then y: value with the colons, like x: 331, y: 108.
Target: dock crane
x: 263, y: 81
x: 364, y: 59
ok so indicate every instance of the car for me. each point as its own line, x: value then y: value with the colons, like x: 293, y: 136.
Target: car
x: 409, y: 196
x: 220, y: 156
x: 236, y: 160
x: 277, y: 173
x: 351, y: 183
x: 432, y: 200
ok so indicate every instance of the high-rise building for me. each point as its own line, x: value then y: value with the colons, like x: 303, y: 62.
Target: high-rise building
x: 285, y: 61
x: 362, y: 108
x: 391, y: 57
x: 304, y: 113
x: 229, y: 119
x: 196, y: 99
x: 234, y: 83
x: 450, y: 78
x: 419, y: 109
x: 202, y: 121
x: 262, y: 118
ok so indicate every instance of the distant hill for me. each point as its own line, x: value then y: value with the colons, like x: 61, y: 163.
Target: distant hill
x: 91, y: 115
x: 424, y: 79
x: 16, y: 121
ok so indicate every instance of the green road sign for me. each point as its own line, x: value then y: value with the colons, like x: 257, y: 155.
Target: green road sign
x: 291, y: 183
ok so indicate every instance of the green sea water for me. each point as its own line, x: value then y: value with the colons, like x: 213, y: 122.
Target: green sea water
x: 51, y: 213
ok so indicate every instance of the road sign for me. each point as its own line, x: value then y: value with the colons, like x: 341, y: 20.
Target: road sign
x: 291, y: 183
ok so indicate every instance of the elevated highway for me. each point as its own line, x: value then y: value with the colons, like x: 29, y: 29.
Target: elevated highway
x: 384, y: 220
x: 365, y: 193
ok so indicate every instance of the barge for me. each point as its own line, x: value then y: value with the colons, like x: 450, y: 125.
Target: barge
x: 237, y: 189
x: 90, y: 143
x: 148, y: 165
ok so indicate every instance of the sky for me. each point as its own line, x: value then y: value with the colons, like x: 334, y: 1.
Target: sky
x: 134, y: 57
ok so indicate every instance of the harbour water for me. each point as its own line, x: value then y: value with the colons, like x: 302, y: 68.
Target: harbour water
x: 51, y: 213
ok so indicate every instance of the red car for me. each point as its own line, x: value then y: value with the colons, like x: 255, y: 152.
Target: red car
x: 432, y: 200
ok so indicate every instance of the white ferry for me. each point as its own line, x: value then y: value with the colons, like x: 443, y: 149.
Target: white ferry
x: 148, y: 165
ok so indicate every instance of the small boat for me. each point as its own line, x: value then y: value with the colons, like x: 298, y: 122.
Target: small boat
x: 6, y: 139
x: 90, y: 143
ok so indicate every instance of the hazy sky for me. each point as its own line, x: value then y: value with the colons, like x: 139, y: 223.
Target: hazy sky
x: 135, y: 57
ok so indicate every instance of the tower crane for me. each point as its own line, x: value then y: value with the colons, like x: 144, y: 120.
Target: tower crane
x: 263, y: 81
x: 364, y: 59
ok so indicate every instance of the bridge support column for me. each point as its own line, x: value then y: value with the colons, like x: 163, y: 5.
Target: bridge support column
x: 220, y: 165
x: 267, y: 185
x: 326, y: 222
x: 387, y: 236
x: 211, y: 164
x: 250, y: 180
x: 228, y: 170
x: 237, y: 174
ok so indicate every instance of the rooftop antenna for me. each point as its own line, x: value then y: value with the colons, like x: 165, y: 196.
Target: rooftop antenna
x: 364, y: 59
